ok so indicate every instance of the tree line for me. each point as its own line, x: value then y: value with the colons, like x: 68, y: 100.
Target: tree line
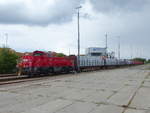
x: 8, y: 61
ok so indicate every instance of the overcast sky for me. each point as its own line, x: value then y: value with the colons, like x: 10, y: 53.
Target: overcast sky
x: 51, y: 25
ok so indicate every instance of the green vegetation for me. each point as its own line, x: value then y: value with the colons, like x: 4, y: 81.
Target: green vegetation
x: 140, y: 59
x: 60, y: 55
x: 148, y: 61
x: 8, y: 61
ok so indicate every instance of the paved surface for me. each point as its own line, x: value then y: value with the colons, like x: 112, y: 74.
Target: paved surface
x: 109, y: 91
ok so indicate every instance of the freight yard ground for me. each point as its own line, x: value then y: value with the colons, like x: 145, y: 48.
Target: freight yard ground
x: 125, y: 90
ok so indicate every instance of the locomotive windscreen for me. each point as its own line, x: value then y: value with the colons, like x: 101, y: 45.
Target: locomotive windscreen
x: 38, y: 54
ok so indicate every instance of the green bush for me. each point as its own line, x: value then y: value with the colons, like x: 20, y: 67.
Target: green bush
x: 148, y: 61
x: 8, y: 61
x: 60, y: 55
x: 140, y: 59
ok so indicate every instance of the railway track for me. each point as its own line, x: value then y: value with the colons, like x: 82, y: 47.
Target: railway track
x: 21, y: 79
x: 7, y: 75
x: 10, y: 79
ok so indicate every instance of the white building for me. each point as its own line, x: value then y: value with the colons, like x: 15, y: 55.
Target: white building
x: 96, y: 51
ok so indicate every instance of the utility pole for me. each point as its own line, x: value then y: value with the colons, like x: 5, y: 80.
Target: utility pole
x: 78, y: 18
x: 131, y: 48
x: 119, y: 47
x: 69, y: 51
x: 106, y: 41
x: 6, y: 34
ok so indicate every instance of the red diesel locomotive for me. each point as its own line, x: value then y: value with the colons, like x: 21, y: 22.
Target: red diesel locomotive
x: 43, y: 63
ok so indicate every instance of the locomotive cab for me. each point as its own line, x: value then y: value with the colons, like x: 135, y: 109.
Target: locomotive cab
x: 25, y: 64
x: 40, y: 63
x: 34, y: 63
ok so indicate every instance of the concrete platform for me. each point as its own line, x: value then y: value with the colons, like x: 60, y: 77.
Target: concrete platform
x: 125, y: 90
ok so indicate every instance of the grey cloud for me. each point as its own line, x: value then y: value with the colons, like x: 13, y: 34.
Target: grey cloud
x: 106, y: 6
x: 19, y: 13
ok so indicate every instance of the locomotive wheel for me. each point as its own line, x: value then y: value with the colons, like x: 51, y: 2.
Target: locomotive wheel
x: 67, y: 70
x: 30, y: 75
x: 51, y: 70
x: 63, y: 69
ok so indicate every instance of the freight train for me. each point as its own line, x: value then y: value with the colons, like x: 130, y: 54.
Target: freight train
x: 40, y: 62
